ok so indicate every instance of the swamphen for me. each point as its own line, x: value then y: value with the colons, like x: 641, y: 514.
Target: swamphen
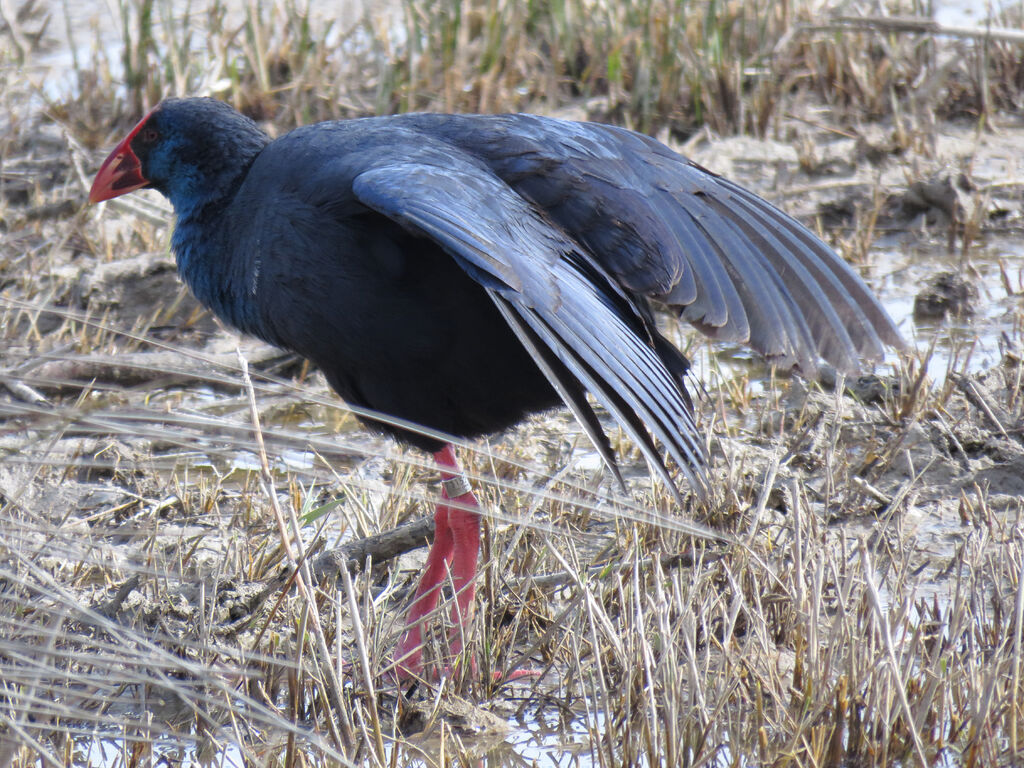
x: 462, y: 271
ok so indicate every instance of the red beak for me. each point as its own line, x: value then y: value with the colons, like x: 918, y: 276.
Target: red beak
x: 121, y: 172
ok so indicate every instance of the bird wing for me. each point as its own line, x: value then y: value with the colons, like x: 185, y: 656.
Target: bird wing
x: 733, y: 265
x: 559, y: 302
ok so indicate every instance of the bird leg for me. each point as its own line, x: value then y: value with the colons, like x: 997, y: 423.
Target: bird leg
x: 455, y: 549
x: 464, y: 525
x: 409, y: 652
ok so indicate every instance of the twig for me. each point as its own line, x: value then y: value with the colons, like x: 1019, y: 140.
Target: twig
x: 364, y: 665
x: 111, y: 608
x: 798, y: 545
x: 886, y: 634
x: 1018, y: 627
x: 867, y: 488
x: 918, y: 25
x: 762, y: 500
x: 22, y: 391
x: 376, y: 548
x: 10, y: 18
x: 303, y: 578
x: 977, y: 399
x: 801, y: 190
x: 558, y: 578
x: 59, y: 372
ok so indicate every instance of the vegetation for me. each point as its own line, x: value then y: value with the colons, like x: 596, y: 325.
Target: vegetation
x: 166, y: 589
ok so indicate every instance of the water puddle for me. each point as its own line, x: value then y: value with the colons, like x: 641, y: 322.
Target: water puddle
x: 555, y: 736
x: 971, y: 342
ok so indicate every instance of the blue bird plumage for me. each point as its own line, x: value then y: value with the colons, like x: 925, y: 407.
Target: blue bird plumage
x: 398, y: 252
x: 461, y: 272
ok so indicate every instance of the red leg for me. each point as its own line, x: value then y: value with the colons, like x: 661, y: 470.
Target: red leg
x: 456, y: 546
x: 465, y: 528
x: 409, y: 652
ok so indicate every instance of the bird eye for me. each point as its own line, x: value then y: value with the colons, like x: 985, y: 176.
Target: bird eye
x: 150, y: 135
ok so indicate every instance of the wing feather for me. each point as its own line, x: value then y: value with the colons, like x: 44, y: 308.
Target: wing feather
x: 663, y: 227
x: 543, y: 282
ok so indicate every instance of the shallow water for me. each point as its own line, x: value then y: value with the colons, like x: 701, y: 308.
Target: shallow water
x: 901, y: 270
x: 969, y: 13
x: 975, y: 341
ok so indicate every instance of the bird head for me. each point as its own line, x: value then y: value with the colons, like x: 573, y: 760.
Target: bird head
x: 188, y: 149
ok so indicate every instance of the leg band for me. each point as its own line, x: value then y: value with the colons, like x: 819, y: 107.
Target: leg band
x: 456, y: 486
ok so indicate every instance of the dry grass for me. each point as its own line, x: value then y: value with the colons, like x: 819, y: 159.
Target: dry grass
x: 163, y: 506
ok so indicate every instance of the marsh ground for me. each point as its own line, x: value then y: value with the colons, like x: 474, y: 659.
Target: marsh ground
x: 863, y: 606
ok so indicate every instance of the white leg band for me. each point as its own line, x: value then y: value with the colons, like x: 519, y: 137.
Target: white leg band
x: 456, y: 486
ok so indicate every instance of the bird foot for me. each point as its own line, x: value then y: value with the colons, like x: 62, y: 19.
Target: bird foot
x: 500, y: 678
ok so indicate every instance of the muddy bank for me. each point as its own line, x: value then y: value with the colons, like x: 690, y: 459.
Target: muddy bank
x: 872, y: 534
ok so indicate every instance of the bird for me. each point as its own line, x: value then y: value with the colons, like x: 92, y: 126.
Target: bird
x: 460, y: 272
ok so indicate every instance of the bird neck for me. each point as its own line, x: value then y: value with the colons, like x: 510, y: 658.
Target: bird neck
x: 223, y: 278
x: 221, y: 275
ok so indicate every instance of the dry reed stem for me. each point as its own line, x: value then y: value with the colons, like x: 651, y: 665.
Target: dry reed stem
x: 132, y: 499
